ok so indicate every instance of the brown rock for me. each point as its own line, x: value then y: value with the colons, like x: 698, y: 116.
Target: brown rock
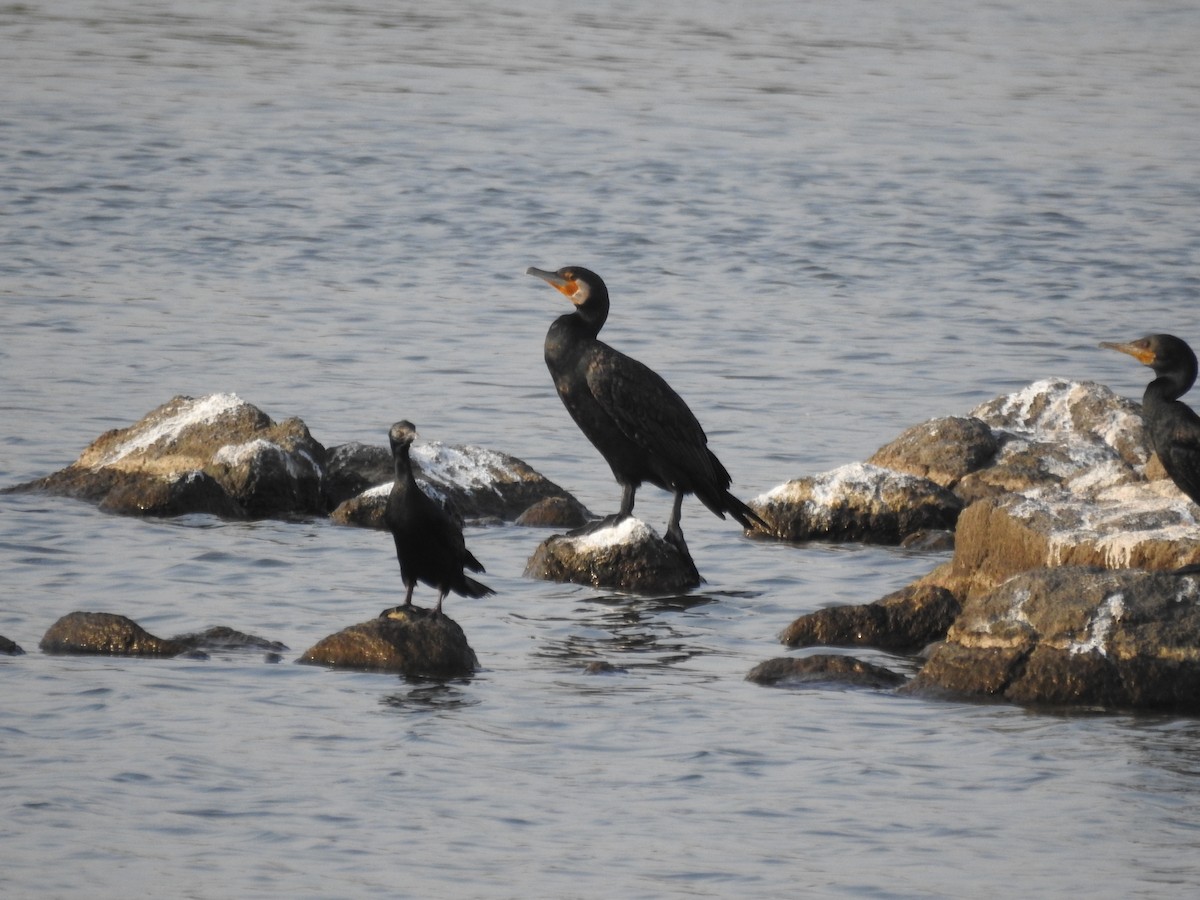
x: 183, y: 456
x: 1075, y: 635
x: 904, y: 621
x: 857, y: 502
x: 105, y: 634
x: 823, y: 668
x: 555, y: 512
x: 408, y: 640
x: 942, y: 450
x: 629, y: 556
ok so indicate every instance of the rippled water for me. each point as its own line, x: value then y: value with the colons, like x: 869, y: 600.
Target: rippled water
x: 822, y: 222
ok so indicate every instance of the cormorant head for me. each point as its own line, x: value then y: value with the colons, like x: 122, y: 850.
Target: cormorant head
x: 401, y: 435
x: 577, y: 283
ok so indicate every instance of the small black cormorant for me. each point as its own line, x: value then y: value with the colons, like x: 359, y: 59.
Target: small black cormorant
x: 1173, y: 426
x: 641, y: 427
x: 429, y: 543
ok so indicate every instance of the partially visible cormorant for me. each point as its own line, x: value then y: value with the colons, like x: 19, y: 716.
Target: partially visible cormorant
x: 429, y: 544
x: 1174, y: 428
x: 641, y: 427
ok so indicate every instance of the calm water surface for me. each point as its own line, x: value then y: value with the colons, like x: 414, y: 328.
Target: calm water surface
x: 822, y: 222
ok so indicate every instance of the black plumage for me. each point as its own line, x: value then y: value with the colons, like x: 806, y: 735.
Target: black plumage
x: 429, y: 543
x: 1173, y: 426
x: 641, y: 427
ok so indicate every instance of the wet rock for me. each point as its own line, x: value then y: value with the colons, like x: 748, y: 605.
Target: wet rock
x: 411, y: 641
x: 628, y: 556
x: 602, y: 667
x: 215, y: 454
x: 105, y: 634
x: 10, y: 647
x: 1145, y: 526
x: 942, y: 450
x: 555, y: 512
x: 1076, y: 636
x: 474, y: 482
x: 938, y: 541
x: 822, y: 669
x: 221, y: 637
x: 903, y: 622
x: 857, y: 502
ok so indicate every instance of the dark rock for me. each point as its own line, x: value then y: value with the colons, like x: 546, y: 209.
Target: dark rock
x: 181, y: 458
x: 942, y: 450
x: 939, y: 541
x: 555, y: 512
x: 904, y: 621
x: 221, y: 637
x: 602, y: 667
x: 1076, y: 636
x: 411, y: 641
x: 628, y: 556
x: 355, y: 467
x: 9, y: 647
x: 471, y: 482
x: 857, y: 502
x: 105, y: 634
x: 822, y: 669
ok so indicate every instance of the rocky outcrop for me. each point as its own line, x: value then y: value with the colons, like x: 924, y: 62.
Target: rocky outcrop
x: 628, y: 556
x: 105, y: 634
x: 474, y: 482
x: 215, y: 454
x: 794, y: 671
x: 9, y: 647
x: 1076, y: 636
x: 902, y: 622
x: 407, y: 640
x: 857, y: 502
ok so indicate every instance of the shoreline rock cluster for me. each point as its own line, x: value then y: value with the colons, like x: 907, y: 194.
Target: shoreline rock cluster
x: 1064, y: 531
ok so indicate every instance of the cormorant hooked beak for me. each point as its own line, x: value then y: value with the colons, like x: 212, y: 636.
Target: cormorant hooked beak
x: 574, y: 289
x: 1139, y: 350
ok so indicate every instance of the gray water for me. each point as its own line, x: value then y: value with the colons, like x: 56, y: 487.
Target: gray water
x: 822, y: 222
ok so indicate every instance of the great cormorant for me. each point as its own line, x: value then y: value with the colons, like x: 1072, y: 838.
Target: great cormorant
x: 1174, y: 428
x: 641, y: 427
x: 429, y: 544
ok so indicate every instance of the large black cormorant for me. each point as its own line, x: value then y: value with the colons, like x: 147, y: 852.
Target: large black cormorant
x: 641, y: 427
x: 429, y: 544
x: 1174, y: 427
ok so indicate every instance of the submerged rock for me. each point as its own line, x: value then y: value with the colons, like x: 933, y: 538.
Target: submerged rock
x: 791, y: 671
x: 903, y: 622
x: 857, y: 502
x: 222, y: 637
x: 474, y: 482
x: 407, y: 640
x: 1074, y: 635
x: 105, y: 634
x: 215, y: 454
x: 10, y: 647
x: 628, y: 556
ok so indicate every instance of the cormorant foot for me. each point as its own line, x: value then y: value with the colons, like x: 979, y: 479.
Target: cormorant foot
x: 599, y: 525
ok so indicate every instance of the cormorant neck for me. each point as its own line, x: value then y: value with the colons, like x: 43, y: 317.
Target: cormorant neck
x: 593, y: 312
x: 404, y: 470
x: 1174, y: 383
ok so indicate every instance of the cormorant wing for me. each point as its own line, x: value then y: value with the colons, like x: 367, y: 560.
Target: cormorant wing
x: 647, y: 409
x: 1183, y: 462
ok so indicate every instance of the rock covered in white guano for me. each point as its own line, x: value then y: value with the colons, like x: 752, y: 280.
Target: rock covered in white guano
x: 215, y: 454
x: 1076, y: 636
x: 1146, y: 525
x: 856, y: 502
x: 471, y: 482
x: 627, y: 556
x: 1079, y: 436
x: 407, y: 640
